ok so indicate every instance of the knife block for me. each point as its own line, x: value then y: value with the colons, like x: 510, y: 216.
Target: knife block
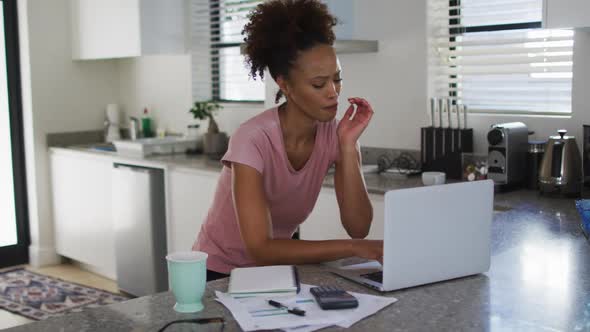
x: 441, y: 149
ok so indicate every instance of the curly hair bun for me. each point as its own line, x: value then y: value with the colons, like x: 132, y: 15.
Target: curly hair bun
x: 278, y: 29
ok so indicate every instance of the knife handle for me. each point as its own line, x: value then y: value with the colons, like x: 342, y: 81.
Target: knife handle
x: 441, y: 107
x: 449, y: 108
x: 432, y: 110
x: 458, y: 109
x: 465, y: 116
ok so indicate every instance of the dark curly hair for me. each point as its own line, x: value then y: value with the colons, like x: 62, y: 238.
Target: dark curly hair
x: 278, y: 29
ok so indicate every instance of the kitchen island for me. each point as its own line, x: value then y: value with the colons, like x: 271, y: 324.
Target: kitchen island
x: 539, y: 280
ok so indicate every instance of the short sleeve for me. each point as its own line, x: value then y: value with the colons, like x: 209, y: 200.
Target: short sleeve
x: 245, y: 148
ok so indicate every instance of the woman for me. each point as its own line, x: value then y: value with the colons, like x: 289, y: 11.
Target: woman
x: 276, y: 161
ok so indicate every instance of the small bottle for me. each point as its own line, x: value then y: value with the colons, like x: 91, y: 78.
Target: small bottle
x: 146, y: 124
x: 161, y: 132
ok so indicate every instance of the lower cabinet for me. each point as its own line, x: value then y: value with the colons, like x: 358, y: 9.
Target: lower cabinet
x: 82, y: 209
x: 190, y: 194
x: 82, y: 189
x: 324, y: 221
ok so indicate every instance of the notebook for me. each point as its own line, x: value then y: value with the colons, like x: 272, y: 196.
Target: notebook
x: 264, y: 280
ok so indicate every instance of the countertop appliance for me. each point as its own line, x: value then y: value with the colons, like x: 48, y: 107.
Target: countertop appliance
x: 507, y: 152
x: 139, y: 220
x: 533, y: 163
x: 561, y: 169
x: 133, y: 128
x: 112, y: 123
x: 144, y: 147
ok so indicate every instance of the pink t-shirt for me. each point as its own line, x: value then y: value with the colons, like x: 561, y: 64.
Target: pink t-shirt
x: 291, y: 194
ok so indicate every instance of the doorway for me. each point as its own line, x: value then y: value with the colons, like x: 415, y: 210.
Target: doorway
x: 14, y: 233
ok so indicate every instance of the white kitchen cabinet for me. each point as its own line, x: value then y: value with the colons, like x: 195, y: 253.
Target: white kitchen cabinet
x: 81, y: 187
x: 190, y: 194
x: 566, y: 14
x: 324, y: 221
x: 105, y: 29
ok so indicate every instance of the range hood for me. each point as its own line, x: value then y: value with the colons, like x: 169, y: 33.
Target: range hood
x: 347, y: 46
x: 356, y: 46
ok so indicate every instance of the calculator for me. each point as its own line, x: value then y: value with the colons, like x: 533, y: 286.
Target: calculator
x: 331, y: 297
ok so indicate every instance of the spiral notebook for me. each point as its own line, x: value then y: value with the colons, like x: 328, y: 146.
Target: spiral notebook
x: 264, y: 280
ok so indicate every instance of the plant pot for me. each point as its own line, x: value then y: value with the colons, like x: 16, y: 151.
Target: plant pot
x: 215, y: 145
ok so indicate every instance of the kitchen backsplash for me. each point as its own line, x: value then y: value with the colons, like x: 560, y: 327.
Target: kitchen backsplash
x: 75, y: 138
x: 371, y: 155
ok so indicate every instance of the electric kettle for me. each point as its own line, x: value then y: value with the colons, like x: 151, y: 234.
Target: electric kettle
x: 561, y: 168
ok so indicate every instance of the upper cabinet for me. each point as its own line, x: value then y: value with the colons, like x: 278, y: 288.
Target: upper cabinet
x: 106, y: 29
x: 566, y: 14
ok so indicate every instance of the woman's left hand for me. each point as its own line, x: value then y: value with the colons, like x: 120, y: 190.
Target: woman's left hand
x: 349, y: 130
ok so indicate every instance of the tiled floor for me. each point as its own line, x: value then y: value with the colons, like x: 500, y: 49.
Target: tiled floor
x: 66, y: 272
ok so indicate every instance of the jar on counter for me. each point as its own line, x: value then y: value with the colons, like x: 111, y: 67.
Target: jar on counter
x: 535, y: 153
x: 192, y: 131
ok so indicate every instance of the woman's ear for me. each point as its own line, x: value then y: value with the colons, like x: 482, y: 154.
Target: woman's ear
x: 283, y: 85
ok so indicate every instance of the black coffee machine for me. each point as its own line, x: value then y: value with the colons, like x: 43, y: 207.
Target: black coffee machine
x: 507, y: 152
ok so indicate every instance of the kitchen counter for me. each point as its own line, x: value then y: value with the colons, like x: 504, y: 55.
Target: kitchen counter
x: 380, y: 183
x: 376, y: 183
x: 539, y: 281
x: 181, y: 160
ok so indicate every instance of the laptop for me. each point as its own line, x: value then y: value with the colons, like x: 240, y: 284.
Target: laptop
x: 432, y: 234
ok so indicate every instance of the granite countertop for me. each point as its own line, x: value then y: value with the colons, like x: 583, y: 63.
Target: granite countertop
x: 539, y: 280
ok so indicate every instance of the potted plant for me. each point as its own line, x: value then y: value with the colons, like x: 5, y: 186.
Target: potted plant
x: 214, y: 141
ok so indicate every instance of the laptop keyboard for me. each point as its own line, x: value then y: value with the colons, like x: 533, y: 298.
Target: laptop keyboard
x: 375, y: 276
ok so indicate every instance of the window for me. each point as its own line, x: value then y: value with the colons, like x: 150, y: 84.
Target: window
x: 493, y: 56
x: 219, y: 70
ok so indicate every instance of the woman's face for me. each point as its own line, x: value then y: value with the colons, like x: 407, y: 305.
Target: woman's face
x: 314, y: 83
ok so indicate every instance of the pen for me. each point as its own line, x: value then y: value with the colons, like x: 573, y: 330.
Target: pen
x: 294, y: 311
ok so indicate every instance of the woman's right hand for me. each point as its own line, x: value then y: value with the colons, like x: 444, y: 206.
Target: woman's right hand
x: 369, y: 249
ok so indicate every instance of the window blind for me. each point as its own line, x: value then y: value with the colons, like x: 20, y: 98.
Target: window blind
x: 218, y: 69
x: 493, y: 56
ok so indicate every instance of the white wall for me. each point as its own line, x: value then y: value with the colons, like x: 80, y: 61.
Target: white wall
x: 160, y: 83
x: 394, y: 80
x: 59, y: 95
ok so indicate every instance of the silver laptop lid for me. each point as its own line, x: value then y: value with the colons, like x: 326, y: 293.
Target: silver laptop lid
x: 437, y: 233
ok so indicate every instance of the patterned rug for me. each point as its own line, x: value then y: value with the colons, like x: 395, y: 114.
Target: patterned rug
x: 38, y: 297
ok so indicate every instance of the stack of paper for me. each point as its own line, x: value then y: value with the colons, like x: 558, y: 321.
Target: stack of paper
x: 254, y: 313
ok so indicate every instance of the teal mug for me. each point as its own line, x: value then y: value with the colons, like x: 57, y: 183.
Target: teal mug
x: 187, y: 275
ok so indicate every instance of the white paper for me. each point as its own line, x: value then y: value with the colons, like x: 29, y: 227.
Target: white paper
x: 254, y: 313
x: 368, y: 305
x: 306, y: 328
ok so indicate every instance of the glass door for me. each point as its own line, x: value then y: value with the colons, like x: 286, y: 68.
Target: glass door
x: 13, y: 217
